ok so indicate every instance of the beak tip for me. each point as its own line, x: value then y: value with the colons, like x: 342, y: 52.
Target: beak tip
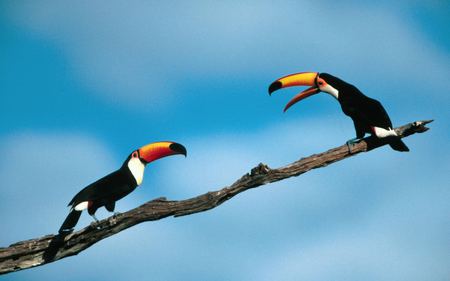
x: 275, y: 86
x: 180, y: 149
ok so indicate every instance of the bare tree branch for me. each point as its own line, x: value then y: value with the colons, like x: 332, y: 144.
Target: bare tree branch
x: 39, y: 251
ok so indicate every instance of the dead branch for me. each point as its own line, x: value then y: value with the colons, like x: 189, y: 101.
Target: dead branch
x: 40, y: 251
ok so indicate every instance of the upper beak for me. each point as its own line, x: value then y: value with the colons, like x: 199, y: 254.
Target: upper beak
x: 157, y: 150
x: 297, y: 79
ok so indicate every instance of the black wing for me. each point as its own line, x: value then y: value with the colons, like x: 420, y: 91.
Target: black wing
x: 113, y: 186
x: 373, y: 113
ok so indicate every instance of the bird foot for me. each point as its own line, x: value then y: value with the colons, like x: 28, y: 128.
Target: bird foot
x: 96, y: 223
x: 350, y: 143
x: 114, y: 217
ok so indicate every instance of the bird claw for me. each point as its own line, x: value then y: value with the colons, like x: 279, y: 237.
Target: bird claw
x: 350, y: 143
x: 114, y: 217
x: 96, y: 223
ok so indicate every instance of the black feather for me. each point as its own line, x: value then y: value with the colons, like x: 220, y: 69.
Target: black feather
x: 70, y: 221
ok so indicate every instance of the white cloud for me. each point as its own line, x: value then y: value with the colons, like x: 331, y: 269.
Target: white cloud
x: 218, y: 160
x: 357, y: 212
x: 397, y: 242
x: 369, y: 217
x: 40, y: 173
x: 141, y: 52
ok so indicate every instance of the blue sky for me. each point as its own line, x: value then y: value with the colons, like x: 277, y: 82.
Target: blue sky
x: 84, y: 83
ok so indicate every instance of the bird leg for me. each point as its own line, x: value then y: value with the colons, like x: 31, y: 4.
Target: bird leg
x: 95, y: 218
x: 96, y: 222
x: 351, y: 142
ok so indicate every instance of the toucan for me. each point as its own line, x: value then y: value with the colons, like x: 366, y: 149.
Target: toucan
x: 109, y: 189
x: 368, y: 115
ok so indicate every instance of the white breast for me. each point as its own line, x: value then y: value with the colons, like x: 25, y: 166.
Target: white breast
x: 82, y: 206
x: 137, y: 169
x: 383, y: 133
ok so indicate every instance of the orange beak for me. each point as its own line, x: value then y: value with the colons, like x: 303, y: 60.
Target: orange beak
x: 297, y: 79
x: 157, y: 150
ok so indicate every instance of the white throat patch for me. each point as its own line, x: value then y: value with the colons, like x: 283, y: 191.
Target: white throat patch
x: 330, y: 90
x: 137, y: 169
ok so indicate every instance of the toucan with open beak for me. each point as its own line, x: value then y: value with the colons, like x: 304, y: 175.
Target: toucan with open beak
x: 368, y: 115
x: 109, y: 189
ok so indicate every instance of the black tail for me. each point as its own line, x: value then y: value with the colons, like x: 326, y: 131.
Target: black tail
x: 398, y: 144
x: 70, y: 222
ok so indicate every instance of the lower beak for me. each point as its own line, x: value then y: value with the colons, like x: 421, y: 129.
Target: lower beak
x: 306, y: 93
x: 157, y: 150
x: 297, y: 79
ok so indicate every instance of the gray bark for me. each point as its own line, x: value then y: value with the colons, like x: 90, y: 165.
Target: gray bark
x: 43, y: 250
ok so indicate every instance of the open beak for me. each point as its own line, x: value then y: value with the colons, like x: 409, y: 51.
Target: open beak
x: 297, y: 79
x: 157, y: 150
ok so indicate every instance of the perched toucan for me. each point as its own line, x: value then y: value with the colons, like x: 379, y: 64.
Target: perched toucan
x: 109, y: 189
x: 368, y: 115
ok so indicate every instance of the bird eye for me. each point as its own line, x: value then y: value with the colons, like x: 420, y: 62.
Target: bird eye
x: 135, y: 154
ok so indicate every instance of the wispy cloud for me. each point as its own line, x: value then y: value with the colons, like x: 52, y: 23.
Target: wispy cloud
x: 142, y: 52
x: 381, y: 224
x: 396, y: 242
x: 374, y: 222
x: 40, y: 173
x: 376, y: 216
